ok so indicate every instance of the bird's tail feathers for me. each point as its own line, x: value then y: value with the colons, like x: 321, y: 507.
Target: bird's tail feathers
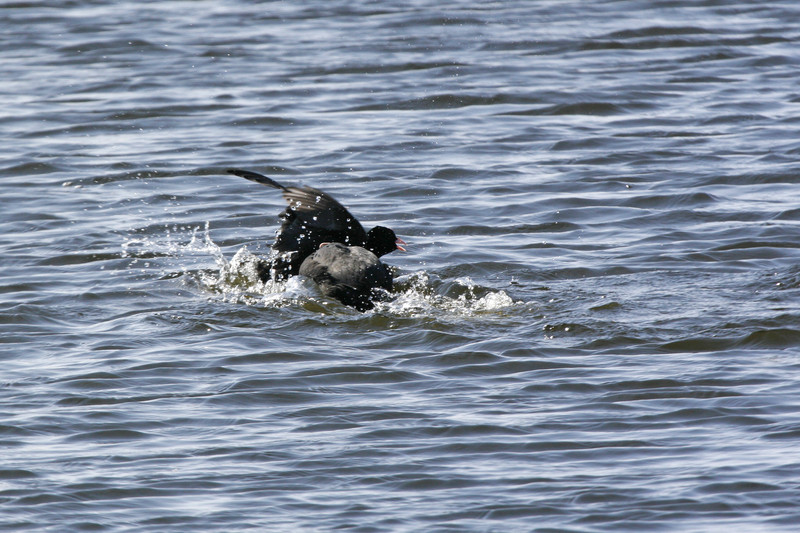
x: 258, y: 178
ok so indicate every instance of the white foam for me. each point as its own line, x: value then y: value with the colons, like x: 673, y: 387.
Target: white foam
x: 422, y: 298
x: 493, y: 301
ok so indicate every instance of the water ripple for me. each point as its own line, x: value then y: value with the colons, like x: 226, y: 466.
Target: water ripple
x: 595, y: 328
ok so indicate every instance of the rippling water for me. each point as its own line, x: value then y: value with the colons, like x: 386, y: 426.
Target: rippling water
x: 596, y: 328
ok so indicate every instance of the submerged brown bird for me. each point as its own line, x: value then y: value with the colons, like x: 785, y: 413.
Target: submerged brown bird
x: 347, y: 268
x: 351, y: 274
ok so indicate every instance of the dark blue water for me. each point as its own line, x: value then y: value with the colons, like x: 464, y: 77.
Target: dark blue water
x: 596, y: 327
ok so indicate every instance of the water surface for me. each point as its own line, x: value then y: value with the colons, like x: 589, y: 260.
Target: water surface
x: 596, y: 328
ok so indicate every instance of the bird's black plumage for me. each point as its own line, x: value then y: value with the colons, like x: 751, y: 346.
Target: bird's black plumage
x: 312, y: 218
x: 351, y: 274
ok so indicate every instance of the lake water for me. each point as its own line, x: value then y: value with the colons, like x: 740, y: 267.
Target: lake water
x: 596, y: 326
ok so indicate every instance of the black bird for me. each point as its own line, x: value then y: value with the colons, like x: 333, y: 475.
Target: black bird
x: 351, y: 274
x: 311, y: 219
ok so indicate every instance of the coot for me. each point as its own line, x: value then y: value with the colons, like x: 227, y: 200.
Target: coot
x: 312, y: 218
x: 351, y: 274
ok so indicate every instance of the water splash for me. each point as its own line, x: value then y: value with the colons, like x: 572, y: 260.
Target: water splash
x: 422, y: 293
x: 178, y: 254
x: 169, y: 250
